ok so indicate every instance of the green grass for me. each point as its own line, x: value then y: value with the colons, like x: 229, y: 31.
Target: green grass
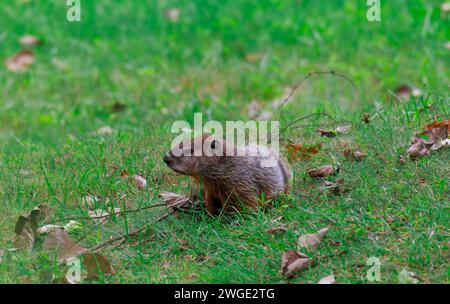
x: 128, y: 52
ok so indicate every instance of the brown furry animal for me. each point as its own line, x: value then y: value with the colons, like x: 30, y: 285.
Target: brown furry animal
x: 250, y: 175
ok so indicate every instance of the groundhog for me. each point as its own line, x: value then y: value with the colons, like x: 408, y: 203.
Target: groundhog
x: 231, y: 177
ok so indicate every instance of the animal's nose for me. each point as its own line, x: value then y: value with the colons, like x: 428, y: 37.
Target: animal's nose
x: 166, y: 158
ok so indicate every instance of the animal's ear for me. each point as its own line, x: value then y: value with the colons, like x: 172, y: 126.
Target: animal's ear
x: 213, y: 144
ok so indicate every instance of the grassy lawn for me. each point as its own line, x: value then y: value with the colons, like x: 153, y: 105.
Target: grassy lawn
x: 216, y: 59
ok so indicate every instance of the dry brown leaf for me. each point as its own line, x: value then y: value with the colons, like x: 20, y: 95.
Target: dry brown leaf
x: 321, y: 172
x: 173, y: 14
x: 331, y: 279
x: 279, y: 229
x: 405, y: 92
x: 48, y: 228
x: 26, y: 230
x: 312, y: 239
x: 343, y: 129
x: 366, y: 118
x: 326, y: 133
x: 20, y: 61
x: 434, y: 137
x: 29, y: 40
x: 296, y: 151
x: 97, y: 263
x: 66, y: 248
x: 140, y: 181
x: 253, y: 57
x: 124, y: 174
x: 354, y: 154
x: 174, y: 200
x: 293, y: 262
x: 104, y: 131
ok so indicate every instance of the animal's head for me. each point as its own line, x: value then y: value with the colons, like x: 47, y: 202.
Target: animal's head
x: 192, y: 156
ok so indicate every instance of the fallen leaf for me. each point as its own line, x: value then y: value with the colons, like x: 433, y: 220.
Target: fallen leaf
x: 29, y: 40
x: 104, y: 131
x: 408, y: 277
x: 434, y: 137
x: 293, y: 262
x: 326, y: 133
x: 20, y: 61
x: 26, y: 230
x: 2, y: 253
x: 184, y: 244
x: 312, y: 239
x: 303, y: 152
x: 173, y: 14
x: 405, y: 92
x: 331, y: 279
x: 124, y: 174
x: 354, y: 154
x: 278, y: 229
x: 118, y: 107
x: 343, y: 129
x: 366, y: 118
x: 253, y: 57
x: 175, y: 201
x: 97, y: 263
x: 140, y: 181
x: 48, y: 228
x: 321, y: 172
x: 66, y: 248
x: 445, y: 7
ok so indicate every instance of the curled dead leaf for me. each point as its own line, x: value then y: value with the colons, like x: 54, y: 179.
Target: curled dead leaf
x: 343, y: 129
x: 303, y: 152
x: 434, y: 137
x: 312, y: 239
x: 354, y: 154
x: 20, y: 61
x: 293, y: 262
x: 96, y: 264
x: 326, y: 133
x: 366, y: 118
x: 60, y: 241
x: 321, y: 172
x: 176, y: 201
x: 278, y: 229
x: 173, y: 14
x: 330, y: 279
x: 140, y: 181
x: 29, y: 40
x: 27, y: 225
x: 405, y: 92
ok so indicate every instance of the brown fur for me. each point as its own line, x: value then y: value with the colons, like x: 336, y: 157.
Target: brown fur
x: 230, y: 182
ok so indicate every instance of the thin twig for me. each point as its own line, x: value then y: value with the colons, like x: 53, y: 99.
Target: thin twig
x: 123, y: 236
x: 108, y: 215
